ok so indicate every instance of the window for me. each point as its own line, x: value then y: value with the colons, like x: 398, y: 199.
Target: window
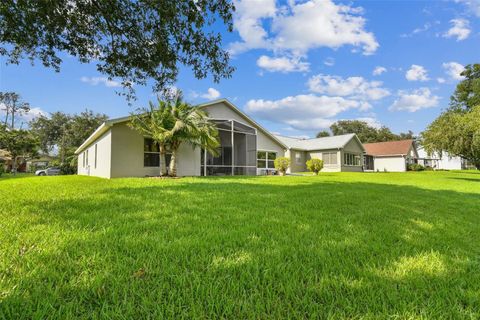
x: 350, y: 159
x: 298, y: 157
x: 95, y: 163
x: 83, y: 159
x: 87, y: 157
x: 329, y: 158
x: 151, y: 153
x: 266, y: 159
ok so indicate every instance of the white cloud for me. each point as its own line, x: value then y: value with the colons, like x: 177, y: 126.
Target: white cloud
x: 460, y: 29
x: 211, y: 94
x: 101, y: 80
x: 282, y: 64
x: 416, y: 73
x: 379, y: 70
x: 414, y: 100
x: 453, y: 70
x: 330, y: 62
x: 247, y: 21
x: 299, y: 27
x: 302, y: 112
x: 372, y: 122
x: 441, y: 80
x: 472, y: 5
x: 353, y: 87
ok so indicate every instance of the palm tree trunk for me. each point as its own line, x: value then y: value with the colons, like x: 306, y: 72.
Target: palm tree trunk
x: 173, y: 162
x: 163, y: 167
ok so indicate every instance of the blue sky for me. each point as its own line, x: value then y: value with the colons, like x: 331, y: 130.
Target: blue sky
x: 302, y: 65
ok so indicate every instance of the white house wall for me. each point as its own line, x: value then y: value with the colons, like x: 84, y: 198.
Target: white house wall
x: 128, y: 159
x: 390, y: 164
x: 318, y: 154
x: 102, y: 168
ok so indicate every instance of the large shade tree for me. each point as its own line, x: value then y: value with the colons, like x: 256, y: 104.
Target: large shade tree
x: 367, y: 133
x: 467, y: 92
x: 457, y: 130
x: 65, y: 132
x: 457, y: 133
x: 134, y: 41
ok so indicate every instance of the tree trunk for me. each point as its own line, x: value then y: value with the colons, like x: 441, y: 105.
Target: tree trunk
x: 163, y: 164
x: 173, y: 162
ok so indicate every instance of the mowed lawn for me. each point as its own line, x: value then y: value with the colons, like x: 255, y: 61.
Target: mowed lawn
x: 340, y: 245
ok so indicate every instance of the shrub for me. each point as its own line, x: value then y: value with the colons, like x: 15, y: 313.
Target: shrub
x: 2, y: 169
x: 282, y: 164
x: 67, y: 168
x: 415, y: 167
x: 315, y: 165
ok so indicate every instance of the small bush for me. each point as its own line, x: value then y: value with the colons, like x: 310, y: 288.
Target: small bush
x: 428, y: 168
x: 282, y: 164
x: 415, y: 167
x: 2, y: 169
x: 315, y: 165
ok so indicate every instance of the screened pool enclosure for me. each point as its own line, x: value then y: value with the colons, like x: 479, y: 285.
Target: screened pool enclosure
x: 238, y: 151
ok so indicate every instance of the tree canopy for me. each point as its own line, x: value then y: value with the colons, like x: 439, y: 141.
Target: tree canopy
x: 467, y: 92
x: 65, y: 132
x: 367, y: 133
x: 457, y: 133
x: 18, y: 143
x: 12, y: 105
x: 457, y: 130
x: 131, y: 40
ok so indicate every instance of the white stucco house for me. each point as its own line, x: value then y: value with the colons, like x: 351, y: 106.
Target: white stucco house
x: 443, y: 162
x: 116, y: 150
x: 391, y: 156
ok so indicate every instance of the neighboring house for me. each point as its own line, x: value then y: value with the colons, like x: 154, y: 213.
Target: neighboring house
x: 116, y: 150
x: 444, y: 162
x: 390, y: 156
x: 339, y: 153
x: 5, y: 160
x: 41, y: 162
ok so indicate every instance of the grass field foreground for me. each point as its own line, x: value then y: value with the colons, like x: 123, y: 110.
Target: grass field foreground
x: 340, y: 245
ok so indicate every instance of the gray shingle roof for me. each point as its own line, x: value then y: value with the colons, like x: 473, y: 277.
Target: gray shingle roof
x: 324, y: 143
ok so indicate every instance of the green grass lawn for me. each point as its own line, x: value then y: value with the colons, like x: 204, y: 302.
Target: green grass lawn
x: 340, y: 245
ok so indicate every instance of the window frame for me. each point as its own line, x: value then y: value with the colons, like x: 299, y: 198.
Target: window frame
x: 298, y: 157
x: 329, y: 155
x: 266, y: 159
x: 150, y: 152
x: 352, y: 159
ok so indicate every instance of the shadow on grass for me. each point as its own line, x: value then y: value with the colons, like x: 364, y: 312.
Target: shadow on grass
x: 238, y: 248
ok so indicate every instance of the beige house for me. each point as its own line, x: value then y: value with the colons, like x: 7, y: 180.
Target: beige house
x: 339, y: 153
x: 116, y: 150
x: 391, y: 156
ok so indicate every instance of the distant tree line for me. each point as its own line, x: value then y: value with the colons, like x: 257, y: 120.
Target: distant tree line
x: 365, y: 132
x: 57, y: 134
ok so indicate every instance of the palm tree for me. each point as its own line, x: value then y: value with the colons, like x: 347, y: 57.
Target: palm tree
x: 156, y: 122
x: 191, y: 127
x: 173, y: 123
